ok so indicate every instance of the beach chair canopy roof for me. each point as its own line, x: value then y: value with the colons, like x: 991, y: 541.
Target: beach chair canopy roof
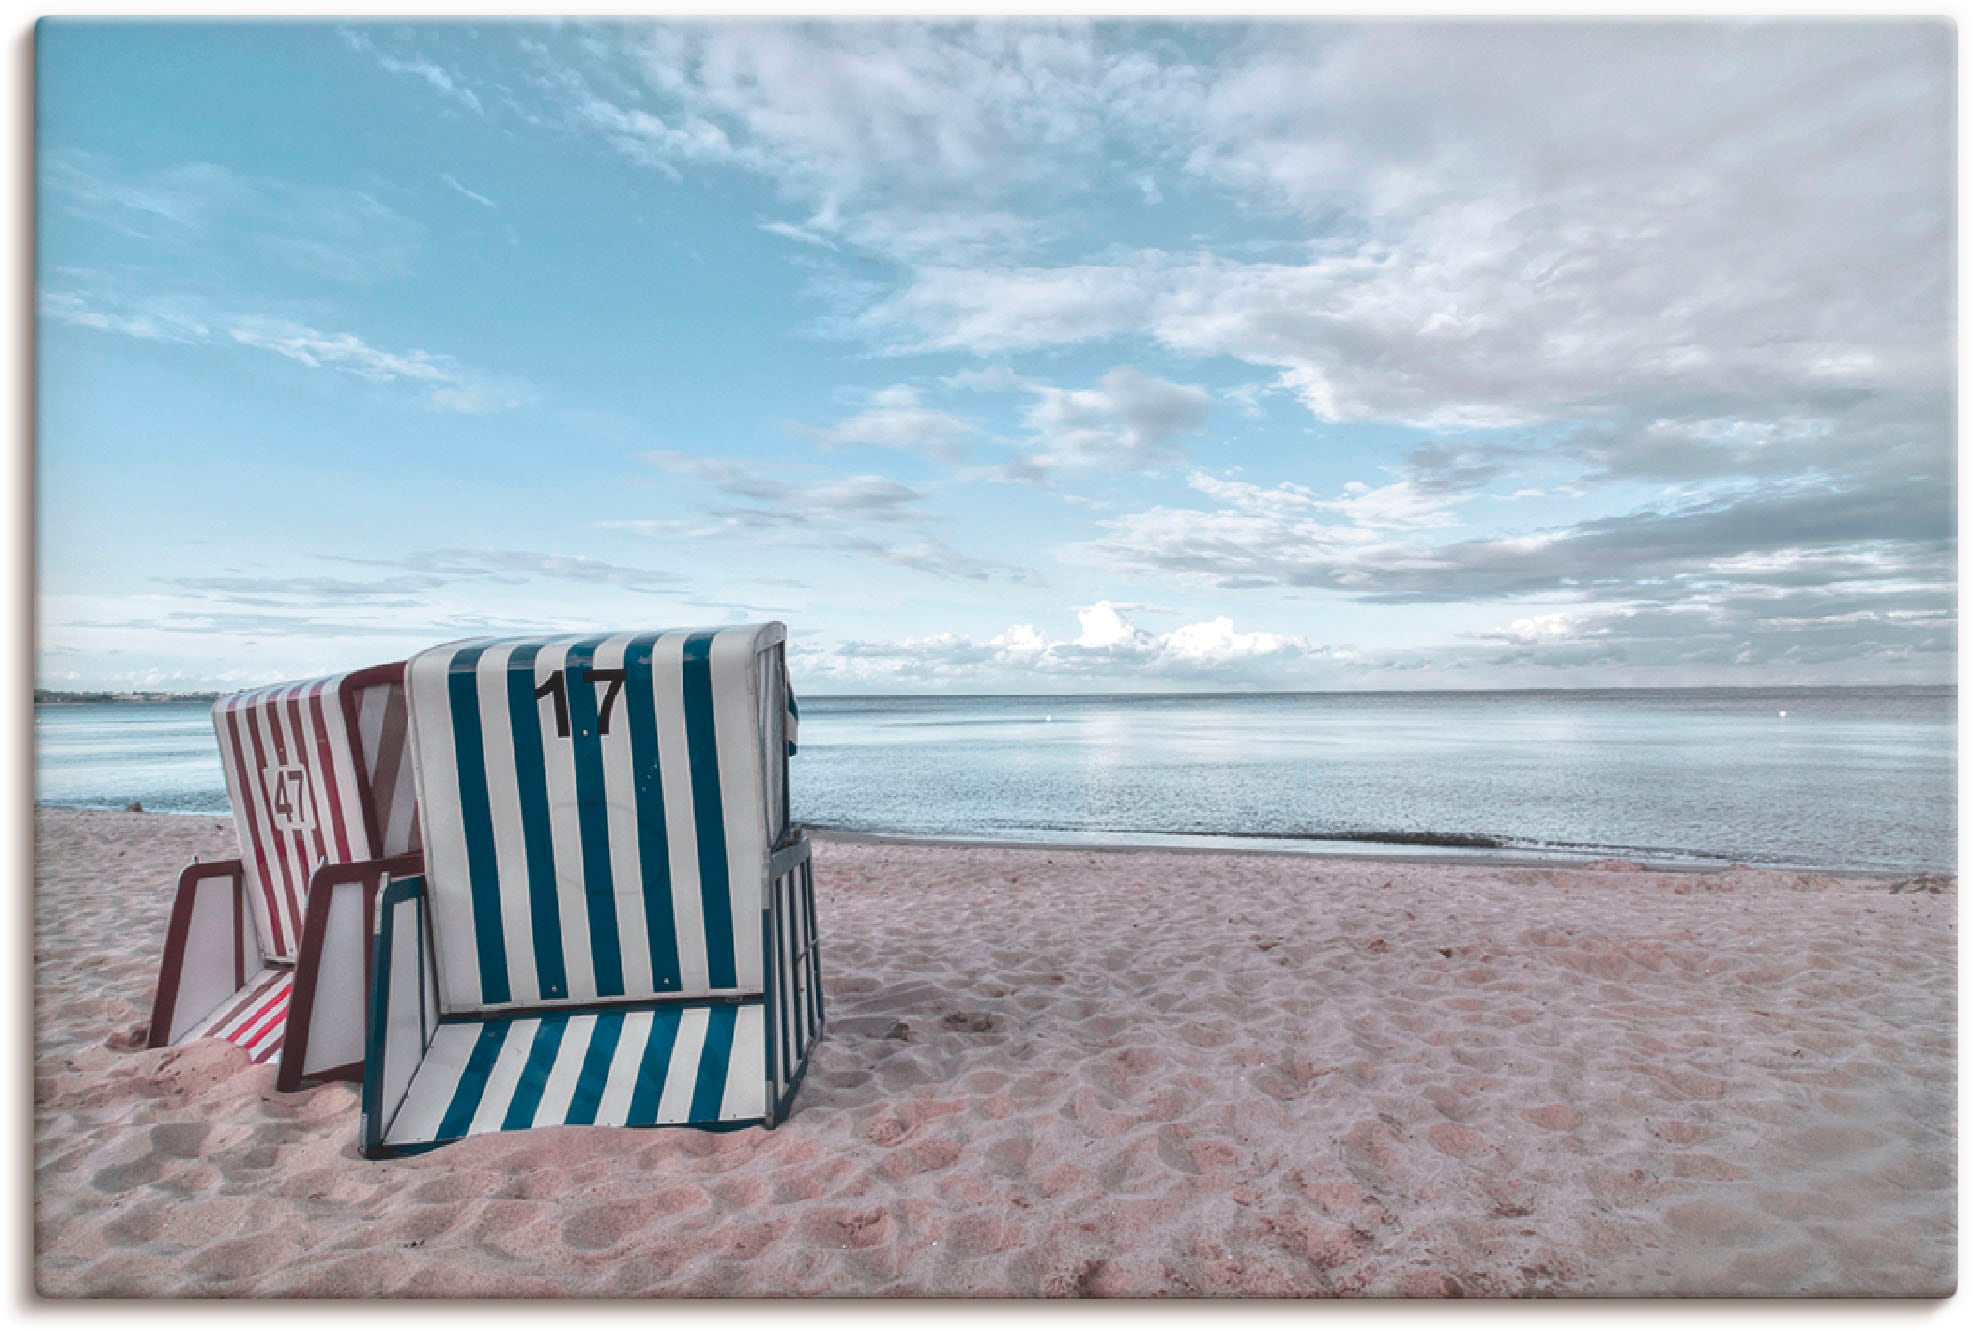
x: 316, y: 772
x: 598, y: 812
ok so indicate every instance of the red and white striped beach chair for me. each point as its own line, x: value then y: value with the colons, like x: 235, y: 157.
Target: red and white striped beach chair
x: 271, y: 950
x: 616, y: 923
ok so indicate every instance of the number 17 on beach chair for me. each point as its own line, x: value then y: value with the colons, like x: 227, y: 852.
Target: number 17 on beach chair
x: 616, y: 924
x: 270, y: 950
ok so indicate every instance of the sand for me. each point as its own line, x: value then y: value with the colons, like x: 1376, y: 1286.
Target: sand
x: 1065, y: 1072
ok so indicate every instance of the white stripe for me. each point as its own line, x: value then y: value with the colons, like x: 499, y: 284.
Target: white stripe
x: 505, y: 807
x: 344, y: 760
x: 402, y: 829
x: 623, y: 1074
x: 371, y: 724
x: 677, y: 1099
x: 734, y: 663
x: 272, y: 1040
x: 622, y: 814
x: 319, y: 786
x: 742, y: 1097
x: 566, y: 837
x: 281, y: 842
x: 432, y: 1090
x: 252, y: 994
x: 561, y: 1084
x: 677, y: 784
x: 499, y: 1091
x: 246, y: 821
x: 429, y: 726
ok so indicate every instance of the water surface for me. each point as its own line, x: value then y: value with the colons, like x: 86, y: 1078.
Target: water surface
x: 1847, y: 778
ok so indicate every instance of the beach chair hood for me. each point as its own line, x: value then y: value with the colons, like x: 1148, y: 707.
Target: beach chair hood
x: 610, y: 879
x: 319, y: 782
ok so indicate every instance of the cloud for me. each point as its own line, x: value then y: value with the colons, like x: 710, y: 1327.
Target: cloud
x: 896, y: 418
x: 1761, y: 539
x: 897, y: 137
x: 162, y: 321
x: 1128, y: 422
x: 440, y: 79
x: 330, y: 231
x: 444, y: 383
x: 451, y: 386
x: 447, y: 179
x: 516, y: 566
x: 872, y: 516
x: 1109, y: 649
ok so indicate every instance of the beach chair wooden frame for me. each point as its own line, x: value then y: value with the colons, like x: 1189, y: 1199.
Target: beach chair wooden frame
x: 616, y: 924
x: 270, y: 950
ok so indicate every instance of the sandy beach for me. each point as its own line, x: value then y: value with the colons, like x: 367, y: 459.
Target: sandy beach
x: 1069, y: 1072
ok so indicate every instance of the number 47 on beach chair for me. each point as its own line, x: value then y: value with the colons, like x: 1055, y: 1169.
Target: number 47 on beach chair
x: 271, y: 950
x: 616, y: 923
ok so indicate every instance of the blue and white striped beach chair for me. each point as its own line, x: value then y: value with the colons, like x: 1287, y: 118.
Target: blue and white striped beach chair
x: 616, y: 923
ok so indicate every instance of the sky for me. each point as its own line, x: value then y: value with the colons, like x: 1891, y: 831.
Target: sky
x: 1003, y: 357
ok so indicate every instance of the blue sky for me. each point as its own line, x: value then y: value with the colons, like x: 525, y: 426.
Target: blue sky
x: 1003, y: 357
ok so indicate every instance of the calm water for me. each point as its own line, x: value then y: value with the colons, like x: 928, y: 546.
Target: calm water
x: 1851, y: 778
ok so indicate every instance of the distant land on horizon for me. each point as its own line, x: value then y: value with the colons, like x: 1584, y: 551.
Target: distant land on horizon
x: 62, y: 697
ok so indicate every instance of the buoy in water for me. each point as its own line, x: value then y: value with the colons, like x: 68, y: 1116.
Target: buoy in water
x: 1782, y: 713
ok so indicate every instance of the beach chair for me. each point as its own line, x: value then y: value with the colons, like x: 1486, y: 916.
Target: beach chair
x: 615, y: 924
x: 271, y: 950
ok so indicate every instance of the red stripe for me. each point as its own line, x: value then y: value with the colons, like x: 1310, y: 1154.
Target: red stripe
x: 274, y: 1019
x: 328, y: 762
x: 280, y: 994
x: 257, y: 715
x: 250, y: 786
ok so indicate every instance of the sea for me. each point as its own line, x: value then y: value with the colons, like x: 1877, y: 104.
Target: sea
x: 1839, y: 778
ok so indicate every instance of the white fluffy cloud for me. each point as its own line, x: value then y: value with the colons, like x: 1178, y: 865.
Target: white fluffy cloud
x: 1109, y: 650
x: 1129, y: 421
x: 896, y: 418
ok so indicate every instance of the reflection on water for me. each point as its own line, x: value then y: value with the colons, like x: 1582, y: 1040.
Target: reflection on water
x: 1848, y: 778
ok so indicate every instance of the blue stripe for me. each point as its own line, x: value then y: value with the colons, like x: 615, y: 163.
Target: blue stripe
x: 529, y: 1087
x: 711, y: 1078
x: 710, y: 830
x: 652, y: 1079
x: 473, y: 1082
x: 588, y: 761
x: 371, y: 1125
x: 533, y: 794
x: 656, y: 887
x: 597, y: 1063
x: 477, y: 825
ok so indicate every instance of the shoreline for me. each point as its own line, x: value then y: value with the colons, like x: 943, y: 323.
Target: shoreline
x: 1307, y: 848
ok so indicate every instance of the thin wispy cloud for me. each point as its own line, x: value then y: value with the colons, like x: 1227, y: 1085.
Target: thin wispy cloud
x: 199, y: 208
x: 466, y: 193
x: 448, y: 84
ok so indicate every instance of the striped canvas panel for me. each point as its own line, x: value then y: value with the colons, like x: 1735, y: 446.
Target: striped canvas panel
x: 254, y: 1018
x: 297, y: 800
x: 593, y: 815
x: 385, y: 750
x: 690, y: 1063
